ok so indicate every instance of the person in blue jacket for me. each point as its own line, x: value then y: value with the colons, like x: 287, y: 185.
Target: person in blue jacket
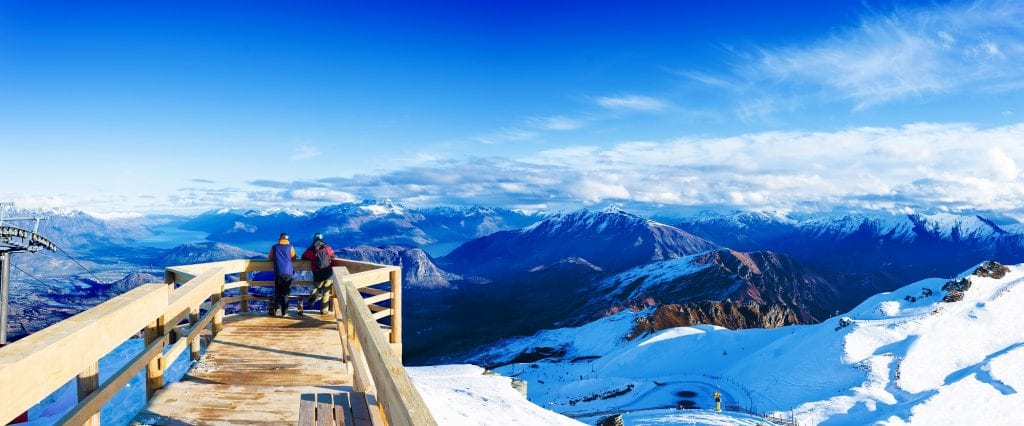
x: 282, y: 255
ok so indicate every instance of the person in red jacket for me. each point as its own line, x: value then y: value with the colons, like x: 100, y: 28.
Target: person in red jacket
x: 319, y: 254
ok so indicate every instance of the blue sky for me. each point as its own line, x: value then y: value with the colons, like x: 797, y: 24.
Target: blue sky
x: 142, y: 106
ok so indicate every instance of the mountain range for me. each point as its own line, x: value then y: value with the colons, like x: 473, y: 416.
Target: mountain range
x: 369, y: 222
x: 513, y: 273
x: 904, y: 246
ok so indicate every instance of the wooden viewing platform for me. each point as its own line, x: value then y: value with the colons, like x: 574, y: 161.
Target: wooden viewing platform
x: 340, y: 368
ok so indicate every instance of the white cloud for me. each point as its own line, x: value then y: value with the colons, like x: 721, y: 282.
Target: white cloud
x: 634, y: 102
x: 591, y: 190
x: 921, y: 166
x: 305, y: 152
x: 558, y: 123
x: 320, y: 194
x: 907, y: 53
x: 1003, y: 167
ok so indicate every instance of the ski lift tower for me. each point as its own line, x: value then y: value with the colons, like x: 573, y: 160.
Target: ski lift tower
x: 15, y: 240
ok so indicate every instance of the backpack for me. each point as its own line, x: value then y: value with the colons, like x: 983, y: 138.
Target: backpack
x: 321, y: 258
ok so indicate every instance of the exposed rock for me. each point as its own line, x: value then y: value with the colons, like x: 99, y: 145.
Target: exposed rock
x: 955, y: 289
x: 764, y: 278
x: 991, y: 269
x: 728, y: 314
x: 539, y: 353
x: 615, y: 420
x: 844, y: 322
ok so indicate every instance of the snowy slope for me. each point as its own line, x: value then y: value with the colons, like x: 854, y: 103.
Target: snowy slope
x: 464, y: 395
x: 904, y: 357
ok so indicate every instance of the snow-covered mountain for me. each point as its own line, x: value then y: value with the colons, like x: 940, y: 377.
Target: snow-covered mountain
x: 937, y: 351
x: 418, y: 269
x: 611, y: 240
x: 904, y: 246
x: 79, y: 231
x: 191, y: 253
x: 369, y: 222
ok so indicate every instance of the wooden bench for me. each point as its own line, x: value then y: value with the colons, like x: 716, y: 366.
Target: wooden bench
x: 335, y: 409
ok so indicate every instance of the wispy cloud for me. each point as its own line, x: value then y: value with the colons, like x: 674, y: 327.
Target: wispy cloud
x: 305, y: 152
x: 920, y: 166
x: 557, y: 122
x: 902, y: 54
x: 632, y: 102
x: 506, y: 135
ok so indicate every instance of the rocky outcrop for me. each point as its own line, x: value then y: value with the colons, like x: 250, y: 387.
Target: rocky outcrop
x: 763, y: 278
x: 133, y: 280
x: 991, y: 269
x: 191, y: 253
x: 728, y: 314
x: 418, y: 268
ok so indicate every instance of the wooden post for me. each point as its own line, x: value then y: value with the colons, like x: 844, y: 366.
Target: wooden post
x: 169, y: 278
x: 89, y: 381
x: 218, y: 317
x: 194, y: 345
x: 243, y: 291
x: 396, y: 306
x: 154, y: 375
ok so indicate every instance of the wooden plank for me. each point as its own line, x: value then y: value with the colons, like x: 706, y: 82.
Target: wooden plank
x: 373, y: 291
x: 396, y: 307
x: 342, y: 409
x: 243, y: 294
x: 180, y: 275
x: 89, y: 381
x: 234, y: 285
x: 355, y: 266
x: 195, y: 291
x: 254, y: 372
x: 229, y: 266
x: 402, y: 404
x: 378, y: 298
x: 324, y: 410
x: 217, y: 309
x: 267, y: 265
x: 369, y: 278
x: 51, y: 357
x: 360, y: 411
x: 307, y: 409
x: 375, y: 410
x: 90, y: 406
x: 303, y: 283
x: 381, y: 314
x: 154, y: 375
x: 339, y: 323
x: 195, y: 346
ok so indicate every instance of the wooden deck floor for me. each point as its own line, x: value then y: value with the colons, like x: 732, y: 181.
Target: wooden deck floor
x: 254, y: 372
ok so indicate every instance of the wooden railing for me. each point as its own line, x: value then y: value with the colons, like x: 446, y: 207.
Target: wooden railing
x: 173, y: 316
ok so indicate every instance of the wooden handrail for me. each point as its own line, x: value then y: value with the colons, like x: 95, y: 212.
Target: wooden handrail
x: 400, y: 403
x: 72, y: 348
x: 34, y: 367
